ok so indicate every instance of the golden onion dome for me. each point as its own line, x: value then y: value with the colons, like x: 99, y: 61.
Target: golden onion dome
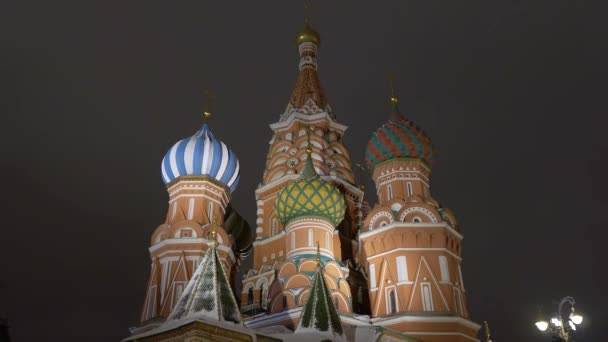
x: 308, y: 35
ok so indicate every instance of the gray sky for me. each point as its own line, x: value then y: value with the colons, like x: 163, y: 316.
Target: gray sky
x: 513, y: 94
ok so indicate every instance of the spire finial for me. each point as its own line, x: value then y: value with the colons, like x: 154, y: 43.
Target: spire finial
x: 318, y: 254
x: 208, y: 104
x: 485, y: 323
x: 213, y: 233
x: 309, y: 168
x: 307, y: 10
x: 309, y: 129
x: 391, y: 80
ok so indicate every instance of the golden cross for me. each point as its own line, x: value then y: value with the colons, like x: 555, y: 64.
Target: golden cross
x: 208, y: 104
x: 318, y: 254
x: 309, y: 129
x: 391, y: 80
x: 307, y: 10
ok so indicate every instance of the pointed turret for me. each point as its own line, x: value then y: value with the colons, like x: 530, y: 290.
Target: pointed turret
x: 208, y: 294
x: 319, y: 313
x: 308, y: 96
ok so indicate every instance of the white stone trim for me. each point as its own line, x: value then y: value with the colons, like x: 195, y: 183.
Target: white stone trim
x: 398, y: 224
x: 414, y: 249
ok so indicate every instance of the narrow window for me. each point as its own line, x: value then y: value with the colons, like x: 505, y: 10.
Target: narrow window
x: 179, y: 288
x: 327, y: 241
x: 310, y: 237
x: 210, y: 213
x: 264, y: 296
x: 191, y: 209
x: 443, y: 265
x: 458, y: 302
x: 250, y: 296
x: 372, y: 276
x: 293, y: 240
x: 461, y: 281
x: 410, y: 191
x: 427, y: 298
x: 401, y: 269
x: 389, y: 191
x: 392, y: 302
x: 274, y: 226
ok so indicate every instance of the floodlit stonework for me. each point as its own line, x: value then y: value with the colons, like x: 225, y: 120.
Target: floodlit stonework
x: 326, y: 264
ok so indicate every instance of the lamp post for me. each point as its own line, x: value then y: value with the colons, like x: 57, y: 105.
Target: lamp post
x: 563, y: 324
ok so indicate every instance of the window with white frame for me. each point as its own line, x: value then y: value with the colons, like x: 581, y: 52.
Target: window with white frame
x: 327, y: 240
x: 389, y: 191
x: 293, y: 240
x: 392, y: 302
x: 372, y: 276
x: 443, y: 266
x: 310, y: 237
x: 210, y: 211
x: 401, y: 269
x: 427, y: 297
x: 191, y: 209
x: 410, y: 190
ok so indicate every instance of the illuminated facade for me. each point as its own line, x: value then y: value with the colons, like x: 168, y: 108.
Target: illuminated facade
x: 325, y: 264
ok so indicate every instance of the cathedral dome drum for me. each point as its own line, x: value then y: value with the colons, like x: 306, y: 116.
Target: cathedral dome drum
x: 309, y: 195
x: 398, y: 138
x: 201, y: 155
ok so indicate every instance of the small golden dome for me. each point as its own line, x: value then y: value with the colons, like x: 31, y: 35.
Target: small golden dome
x: 308, y: 35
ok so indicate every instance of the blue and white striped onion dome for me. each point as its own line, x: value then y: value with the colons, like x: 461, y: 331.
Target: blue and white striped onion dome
x: 201, y: 155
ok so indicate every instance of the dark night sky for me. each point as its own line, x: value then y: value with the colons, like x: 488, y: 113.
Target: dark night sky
x: 94, y: 92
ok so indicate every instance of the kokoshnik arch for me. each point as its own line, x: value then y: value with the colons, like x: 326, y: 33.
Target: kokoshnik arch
x: 326, y: 265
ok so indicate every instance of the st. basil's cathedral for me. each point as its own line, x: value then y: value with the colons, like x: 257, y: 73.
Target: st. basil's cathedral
x: 327, y: 266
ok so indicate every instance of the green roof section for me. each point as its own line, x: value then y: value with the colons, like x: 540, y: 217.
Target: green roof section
x: 208, y: 294
x: 319, y: 313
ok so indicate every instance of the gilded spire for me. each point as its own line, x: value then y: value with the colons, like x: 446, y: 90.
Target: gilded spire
x: 395, y: 113
x: 207, y: 112
x: 309, y: 168
x: 394, y: 100
x: 308, y: 34
x: 213, y: 232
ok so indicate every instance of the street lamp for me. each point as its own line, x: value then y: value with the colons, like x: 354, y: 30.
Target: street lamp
x: 563, y: 324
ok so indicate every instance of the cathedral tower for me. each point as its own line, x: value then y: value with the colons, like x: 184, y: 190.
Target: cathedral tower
x: 200, y: 173
x: 306, y: 149
x: 411, y: 244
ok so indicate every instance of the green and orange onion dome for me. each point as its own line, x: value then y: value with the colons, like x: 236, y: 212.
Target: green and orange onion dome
x: 309, y: 195
x: 398, y: 138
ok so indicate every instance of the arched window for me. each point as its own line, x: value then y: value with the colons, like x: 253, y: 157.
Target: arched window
x: 389, y: 190
x: 410, y: 190
x: 392, y: 302
x: 250, y: 296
